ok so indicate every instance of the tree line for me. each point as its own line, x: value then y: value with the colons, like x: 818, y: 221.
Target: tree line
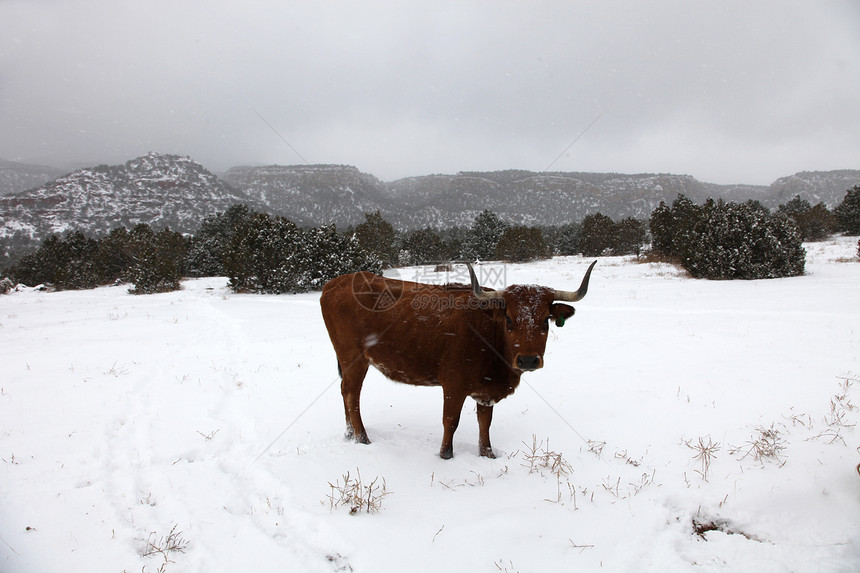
x: 263, y: 253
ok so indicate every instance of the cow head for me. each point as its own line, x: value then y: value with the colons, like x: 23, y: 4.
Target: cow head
x: 522, y: 314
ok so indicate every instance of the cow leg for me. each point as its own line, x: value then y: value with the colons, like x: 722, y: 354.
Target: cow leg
x: 451, y: 408
x: 485, y: 418
x: 350, y: 388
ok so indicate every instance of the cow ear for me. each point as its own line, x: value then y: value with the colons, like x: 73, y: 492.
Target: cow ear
x: 561, y: 312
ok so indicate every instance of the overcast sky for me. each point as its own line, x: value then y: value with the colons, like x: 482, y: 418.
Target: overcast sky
x: 726, y: 91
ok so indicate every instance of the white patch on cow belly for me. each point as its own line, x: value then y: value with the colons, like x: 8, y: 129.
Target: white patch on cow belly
x: 486, y: 402
x: 371, y: 340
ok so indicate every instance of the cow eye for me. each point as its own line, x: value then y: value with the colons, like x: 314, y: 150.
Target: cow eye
x: 510, y: 322
x: 546, y: 323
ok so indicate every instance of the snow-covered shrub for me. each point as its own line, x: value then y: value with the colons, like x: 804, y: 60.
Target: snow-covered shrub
x: 721, y: 240
x: 672, y: 228
x: 848, y: 212
x: 597, y: 236
x: 329, y: 254
x: 423, y: 246
x: 601, y: 235
x: 815, y: 223
x: 65, y: 263
x: 152, y: 261
x: 743, y: 241
x: 272, y: 255
x: 157, y: 260
x: 262, y: 255
x: 114, y: 257
x: 377, y: 236
x: 564, y: 239
x: 6, y: 285
x: 481, y: 240
x: 520, y: 244
x: 205, y: 257
x: 629, y: 236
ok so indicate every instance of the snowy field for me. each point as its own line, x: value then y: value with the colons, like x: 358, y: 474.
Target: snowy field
x: 679, y: 425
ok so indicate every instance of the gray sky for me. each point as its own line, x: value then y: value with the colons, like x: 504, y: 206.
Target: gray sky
x: 727, y: 91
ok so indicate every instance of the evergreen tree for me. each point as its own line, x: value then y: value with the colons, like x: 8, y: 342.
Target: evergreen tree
x: 206, y: 254
x: 721, y: 240
x: 597, y: 236
x: 521, y: 244
x: 815, y: 223
x: 262, y: 255
x: 329, y: 255
x: 114, y: 257
x: 42, y: 265
x: 629, y: 236
x: 423, y: 246
x: 151, y: 261
x: 847, y: 213
x: 481, y: 241
x: 272, y: 255
x: 377, y: 236
x: 672, y: 228
x: 65, y: 263
x: 157, y: 259
x: 78, y: 270
x: 662, y: 229
x: 567, y: 239
x: 743, y: 241
x: 13, y: 247
x: 453, y: 239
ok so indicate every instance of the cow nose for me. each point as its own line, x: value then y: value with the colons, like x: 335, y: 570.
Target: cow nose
x: 528, y: 362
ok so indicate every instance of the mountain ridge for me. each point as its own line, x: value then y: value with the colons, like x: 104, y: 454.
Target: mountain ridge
x: 161, y: 190
x: 176, y: 191
x: 16, y: 176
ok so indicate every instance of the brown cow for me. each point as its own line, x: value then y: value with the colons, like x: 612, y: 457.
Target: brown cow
x: 468, y: 340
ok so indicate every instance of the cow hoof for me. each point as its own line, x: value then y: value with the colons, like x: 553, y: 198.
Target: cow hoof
x: 447, y: 454
x: 362, y: 439
x: 487, y: 453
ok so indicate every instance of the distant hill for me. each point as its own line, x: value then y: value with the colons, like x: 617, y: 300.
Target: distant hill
x: 525, y: 197
x: 15, y: 177
x: 341, y: 194
x: 175, y: 191
x: 162, y: 190
x: 312, y: 194
x: 828, y: 187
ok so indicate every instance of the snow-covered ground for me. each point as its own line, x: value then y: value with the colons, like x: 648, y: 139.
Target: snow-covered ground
x: 665, y: 405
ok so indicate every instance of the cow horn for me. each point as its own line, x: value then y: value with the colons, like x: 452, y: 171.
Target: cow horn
x: 578, y: 294
x: 476, y: 288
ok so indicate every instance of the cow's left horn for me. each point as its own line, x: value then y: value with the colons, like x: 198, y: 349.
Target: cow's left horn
x: 578, y: 294
x: 476, y: 288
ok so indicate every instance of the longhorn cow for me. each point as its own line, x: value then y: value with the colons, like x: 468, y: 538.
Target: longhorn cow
x: 471, y: 341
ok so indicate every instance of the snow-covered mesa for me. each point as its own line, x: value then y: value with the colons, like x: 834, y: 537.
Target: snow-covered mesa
x: 678, y: 425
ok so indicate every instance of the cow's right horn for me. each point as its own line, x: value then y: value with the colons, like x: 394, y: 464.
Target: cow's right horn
x: 476, y: 288
x: 579, y: 293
